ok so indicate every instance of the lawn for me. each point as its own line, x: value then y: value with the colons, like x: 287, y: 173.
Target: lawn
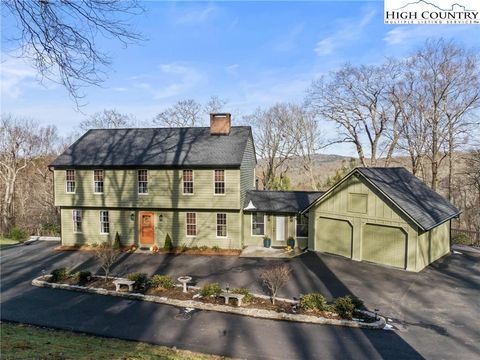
x: 29, y: 342
x: 5, y: 241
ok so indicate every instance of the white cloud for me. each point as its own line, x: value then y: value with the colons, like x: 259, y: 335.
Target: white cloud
x: 182, y: 78
x: 195, y: 16
x: 407, y: 34
x: 15, y: 75
x: 348, y: 31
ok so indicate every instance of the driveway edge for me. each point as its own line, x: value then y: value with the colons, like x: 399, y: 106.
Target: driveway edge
x: 257, y: 313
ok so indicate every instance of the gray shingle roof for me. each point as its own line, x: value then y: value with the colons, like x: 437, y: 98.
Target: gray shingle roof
x: 415, y: 198
x: 165, y: 147
x: 281, y: 201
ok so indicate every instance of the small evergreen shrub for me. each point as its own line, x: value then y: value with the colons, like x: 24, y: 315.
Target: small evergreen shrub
x: 313, y: 301
x: 60, y: 274
x: 116, y: 242
x: 344, y: 307
x: 216, y: 248
x: 51, y: 229
x: 17, y: 234
x: 242, y: 291
x: 168, y: 246
x: 162, y: 281
x: 141, y: 279
x: 82, y: 277
x: 357, y: 303
x: 211, y: 289
x: 203, y: 247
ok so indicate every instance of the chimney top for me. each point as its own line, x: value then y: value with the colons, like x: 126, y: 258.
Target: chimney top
x: 220, y: 123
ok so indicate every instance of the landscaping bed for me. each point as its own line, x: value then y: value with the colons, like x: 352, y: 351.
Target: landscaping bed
x: 312, y: 308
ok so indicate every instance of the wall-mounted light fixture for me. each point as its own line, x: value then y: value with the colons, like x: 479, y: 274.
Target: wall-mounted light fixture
x: 269, y: 217
x: 160, y: 217
x: 132, y: 216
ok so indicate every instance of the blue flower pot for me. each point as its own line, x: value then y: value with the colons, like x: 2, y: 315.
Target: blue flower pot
x: 291, y: 243
x: 267, y: 243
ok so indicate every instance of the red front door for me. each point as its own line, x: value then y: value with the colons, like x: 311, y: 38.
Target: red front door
x: 147, y: 228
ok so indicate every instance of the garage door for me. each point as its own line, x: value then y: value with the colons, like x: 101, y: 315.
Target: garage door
x: 333, y: 236
x: 384, y: 245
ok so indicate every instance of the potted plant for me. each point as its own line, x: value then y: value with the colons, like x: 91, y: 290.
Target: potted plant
x: 267, y: 242
x: 291, y: 242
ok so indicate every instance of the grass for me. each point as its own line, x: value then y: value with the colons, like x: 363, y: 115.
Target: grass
x: 29, y: 342
x: 5, y: 241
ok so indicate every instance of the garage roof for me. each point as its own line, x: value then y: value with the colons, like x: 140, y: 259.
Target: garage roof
x: 424, y: 206
x: 287, y: 202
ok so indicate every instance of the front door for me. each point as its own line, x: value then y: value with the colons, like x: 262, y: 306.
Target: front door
x: 147, y: 228
x: 280, y: 228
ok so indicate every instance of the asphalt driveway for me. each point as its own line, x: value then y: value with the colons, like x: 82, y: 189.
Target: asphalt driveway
x: 436, y: 313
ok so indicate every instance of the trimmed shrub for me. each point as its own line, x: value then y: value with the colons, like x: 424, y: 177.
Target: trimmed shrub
x: 216, y: 248
x: 162, y: 281
x: 141, y: 279
x: 248, y: 295
x: 82, y: 277
x: 313, y: 301
x: 211, y: 289
x: 17, y: 234
x: 357, y: 303
x: 116, y: 242
x: 168, y: 246
x: 203, y: 247
x: 60, y: 274
x: 344, y: 307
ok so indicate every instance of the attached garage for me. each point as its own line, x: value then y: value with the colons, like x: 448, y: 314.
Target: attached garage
x: 385, y: 245
x: 334, y: 236
x: 382, y: 215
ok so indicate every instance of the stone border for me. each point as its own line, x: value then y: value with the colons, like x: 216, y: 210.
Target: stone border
x: 257, y: 313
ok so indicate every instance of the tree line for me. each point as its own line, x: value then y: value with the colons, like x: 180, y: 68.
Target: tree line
x: 423, y: 108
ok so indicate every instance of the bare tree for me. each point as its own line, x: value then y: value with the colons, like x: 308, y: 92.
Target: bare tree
x: 275, y: 278
x: 357, y: 99
x: 22, y: 141
x: 447, y: 93
x: 274, y: 141
x: 182, y: 114
x: 107, y: 119
x: 60, y: 38
x: 106, y: 254
x: 214, y: 105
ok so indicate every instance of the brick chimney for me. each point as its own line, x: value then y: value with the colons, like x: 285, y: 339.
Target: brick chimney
x: 220, y: 123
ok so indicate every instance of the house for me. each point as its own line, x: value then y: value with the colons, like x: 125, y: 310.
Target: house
x: 197, y: 186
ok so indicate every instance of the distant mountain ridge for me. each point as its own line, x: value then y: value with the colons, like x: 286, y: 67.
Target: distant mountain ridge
x: 435, y: 6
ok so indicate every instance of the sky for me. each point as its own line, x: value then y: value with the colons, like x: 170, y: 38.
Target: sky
x: 254, y: 54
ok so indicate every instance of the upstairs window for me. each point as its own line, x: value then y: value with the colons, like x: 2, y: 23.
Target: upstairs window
x: 104, y: 222
x: 187, y: 182
x: 222, y: 225
x: 70, y: 177
x: 191, y: 221
x: 302, y: 226
x: 98, y: 181
x: 258, y: 223
x: 143, y: 181
x: 77, y: 221
x: 219, y: 182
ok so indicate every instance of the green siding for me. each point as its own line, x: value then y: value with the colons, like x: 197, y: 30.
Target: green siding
x: 334, y: 236
x: 247, y: 170
x: 165, y: 190
x: 270, y: 230
x: 384, y: 245
x: 173, y: 223
x: 433, y: 244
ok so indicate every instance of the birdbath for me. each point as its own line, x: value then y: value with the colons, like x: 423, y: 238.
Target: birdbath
x: 184, y: 280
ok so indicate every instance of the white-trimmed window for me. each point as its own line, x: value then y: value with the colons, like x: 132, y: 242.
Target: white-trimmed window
x: 77, y: 220
x: 142, y: 176
x: 191, y: 223
x: 302, y: 226
x: 98, y: 181
x: 104, y: 222
x: 187, y: 182
x: 70, y: 181
x: 219, y: 182
x: 221, y: 225
x: 258, y: 223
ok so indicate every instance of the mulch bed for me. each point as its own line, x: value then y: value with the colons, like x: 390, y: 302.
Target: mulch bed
x: 177, y: 293
x: 176, y: 251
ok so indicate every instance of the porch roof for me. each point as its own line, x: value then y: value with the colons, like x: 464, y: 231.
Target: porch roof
x: 284, y: 202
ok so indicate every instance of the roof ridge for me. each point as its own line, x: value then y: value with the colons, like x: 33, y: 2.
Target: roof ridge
x: 167, y: 127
